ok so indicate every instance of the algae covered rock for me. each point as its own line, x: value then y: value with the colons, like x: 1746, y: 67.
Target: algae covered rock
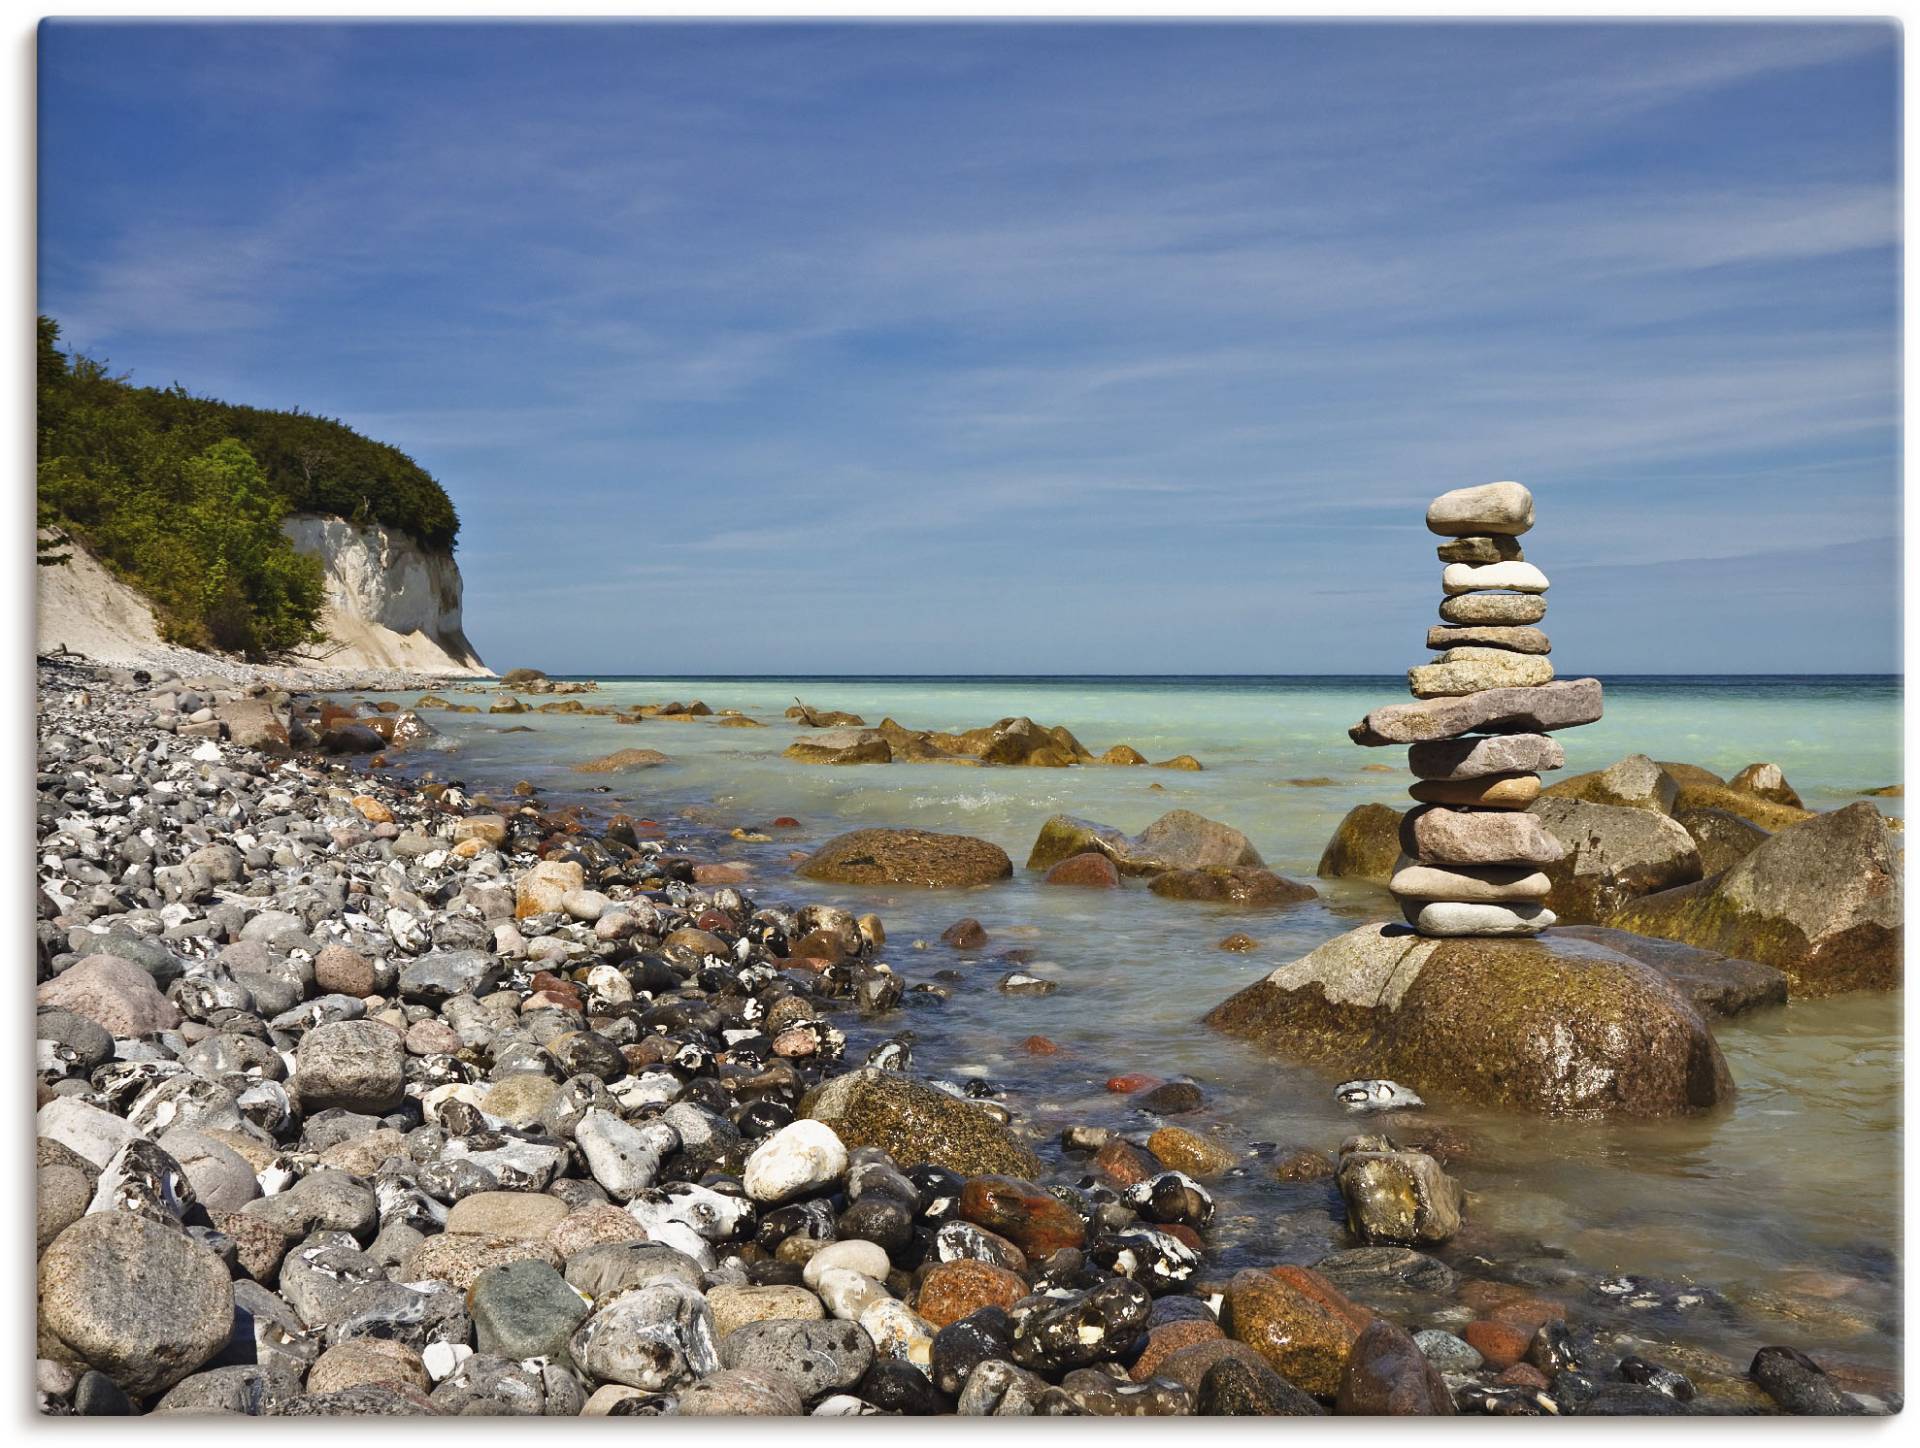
x: 1635, y: 782
x: 913, y: 1123
x: 1723, y: 839
x: 1614, y: 853
x: 1238, y: 885
x: 1718, y: 985
x: 1298, y: 1321
x: 1365, y: 845
x: 1768, y: 782
x: 1549, y: 1025
x: 1178, y: 840
x: 907, y: 857
x: 1820, y: 901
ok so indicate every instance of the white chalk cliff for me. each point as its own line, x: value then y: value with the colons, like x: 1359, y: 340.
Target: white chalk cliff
x: 390, y: 602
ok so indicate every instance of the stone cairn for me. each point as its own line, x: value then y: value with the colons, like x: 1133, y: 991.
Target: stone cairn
x: 1472, y: 857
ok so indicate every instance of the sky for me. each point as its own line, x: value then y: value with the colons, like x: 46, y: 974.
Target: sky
x: 1036, y: 348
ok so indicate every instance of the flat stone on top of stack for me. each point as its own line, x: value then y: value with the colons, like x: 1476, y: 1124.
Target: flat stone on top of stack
x: 1471, y: 858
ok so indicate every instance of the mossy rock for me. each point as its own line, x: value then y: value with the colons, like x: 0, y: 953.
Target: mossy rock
x: 1241, y: 885
x: 1615, y: 853
x: 1365, y: 845
x: 1635, y: 782
x: 913, y: 1123
x: 1724, y: 839
x: 1750, y: 807
x: 1820, y: 900
x: 907, y: 857
x: 1552, y: 1026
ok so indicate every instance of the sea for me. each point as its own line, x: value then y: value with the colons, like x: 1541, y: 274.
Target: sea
x: 1775, y: 1220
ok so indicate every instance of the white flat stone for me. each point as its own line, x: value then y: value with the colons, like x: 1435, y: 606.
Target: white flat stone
x: 1455, y: 917
x: 1469, y: 885
x: 1505, y: 577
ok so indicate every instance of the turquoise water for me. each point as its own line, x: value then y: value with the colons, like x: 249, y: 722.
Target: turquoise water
x: 1788, y: 1203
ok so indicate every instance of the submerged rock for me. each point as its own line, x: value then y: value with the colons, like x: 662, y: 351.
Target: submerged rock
x: 1365, y: 845
x: 1178, y: 840
x: 1545, y: 1025
x: 1718, y: 985
x: 907, y: 857
x: 1243, y: 885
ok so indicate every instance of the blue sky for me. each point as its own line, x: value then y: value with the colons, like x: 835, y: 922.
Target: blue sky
x: 1037, y: 348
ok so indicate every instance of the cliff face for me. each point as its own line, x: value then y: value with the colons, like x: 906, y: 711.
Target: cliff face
x: 390, y: 602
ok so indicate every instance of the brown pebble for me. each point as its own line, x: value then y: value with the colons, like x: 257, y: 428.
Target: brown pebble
x: 1167, y: 1339
x: 1499, y: 1343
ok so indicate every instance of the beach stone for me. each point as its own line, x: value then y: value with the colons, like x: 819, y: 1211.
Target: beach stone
x: 338, y: 970
x: 740, y: 1393
x: 1365, y: 845
x: 94, y: 1135
x: 1718, y: 985
x: 351, y: 1066
x: 1436, y: 835
x: 654, y: 1337
x: 1387, y: 1375
x: 851, y: 1254
x: 221, y: 1178
x: 1447, y: 1352
x: 540, y: 890
x: 1299, y: 1322
x: 623, y: 1158
x: 1723, y: 839
x: 1501, y: 609
x: 1245, y: 1387
x: 1090, y: 868
x: 1102, y: 1393
x: 906, y: 857
x: 592, y: 1225
x: 800, y: 1158
x: 1482, y: 884
x: 1479, y: 548
x: 115, y: 994
x: 1800, y: 1385
x: 1399, y: 1197
x: 1521, y: 577
x: 437, y: 978
x: 1453, y: 918
x: 1469, y: 670
x: 1499, y: 1344
x: 953, y: 1290
x: 1494, y: 791
x: 841, y: 746
x: 1613, y: 854
x: 523, y: 1310
x: 1053, y: 1333
x: 1820, y: 901
x: 966, y: 934
x: 1033, y: 1219
x: 1168, y: 1338
x: 1544, y: 1025
x: 736, y: 1307
x: 143, y: 1303
x: 1185, y: 1151
x: 1768, y: 782
x: 1385, y: 1269
x: 512, y: 1216
x: 1477, y: 758
x: 1558, y: 705
x: 381, y: 1400
x: 458, y: 1258
x: 915, y: 1123
x: 1178, y: 840
x: 1243, y: 885
x: 1520, y: 639
x: 814, y: 1358
x: 1498, y: 508
x: 360, y: 1361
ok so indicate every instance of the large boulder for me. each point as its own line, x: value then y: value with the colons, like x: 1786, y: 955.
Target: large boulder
x: 1723, y: 839
x: 906, y: 857
x: 913, y: 1122
x: 1697, y: 793
x: 113, y: 993
x: 1636, y: 782
x: 1718, y: 985
x: 1820, y: 901
x: 1767, y: 781
x: 1178, y: 840
x: 1365, y: 845
x: 1550, y: 1025
x: 1615, y: 853
x: 841, y: 746
x: 1016, y: 740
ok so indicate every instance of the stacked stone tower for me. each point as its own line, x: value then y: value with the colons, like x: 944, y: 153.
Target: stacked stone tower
x: 1472, y: 857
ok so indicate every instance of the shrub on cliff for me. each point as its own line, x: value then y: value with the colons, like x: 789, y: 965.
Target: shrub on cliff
x: 183, y: 496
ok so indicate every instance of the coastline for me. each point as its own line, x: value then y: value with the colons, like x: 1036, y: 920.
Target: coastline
x: 1722, y: 1381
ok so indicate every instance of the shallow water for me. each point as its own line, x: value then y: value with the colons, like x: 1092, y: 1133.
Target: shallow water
x: 1785, y: 1207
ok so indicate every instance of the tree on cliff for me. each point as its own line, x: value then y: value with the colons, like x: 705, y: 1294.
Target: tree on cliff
x: 184, y: 496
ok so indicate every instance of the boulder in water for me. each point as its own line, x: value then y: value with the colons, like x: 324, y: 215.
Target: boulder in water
x: 1820, y: 901
x: 914, y: 1123
x: 1614, y: 853
x: 906, y: 857
x: 1178, y: 840
x: 1549, y: 1025
x: 1365, y: 845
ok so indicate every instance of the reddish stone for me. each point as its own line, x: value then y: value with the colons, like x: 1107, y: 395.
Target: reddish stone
x: 1184, y: 1233
x: 1167, y: 1339
x: 1124, y: 1163
x: 1388, y: 1376
x: 547, y: 980
x: 1302, y: 1164
x: 1529, y: 1314
x: 1033, y: 1219
x: 720, y: 874
x: 953, y: 1289
x: 821, y: 945
x: 1091, y: 870
x: 1502, y: 1346
x: 786, y: 822
x: 1132, y: 1081
x: 553, y: 1000
x: 712, y: 920
x: 646, y: 824
x: 1298, y: 1321
x: 1523, y: 1375
x: 967, y: 934
x: 1041, y: 1046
